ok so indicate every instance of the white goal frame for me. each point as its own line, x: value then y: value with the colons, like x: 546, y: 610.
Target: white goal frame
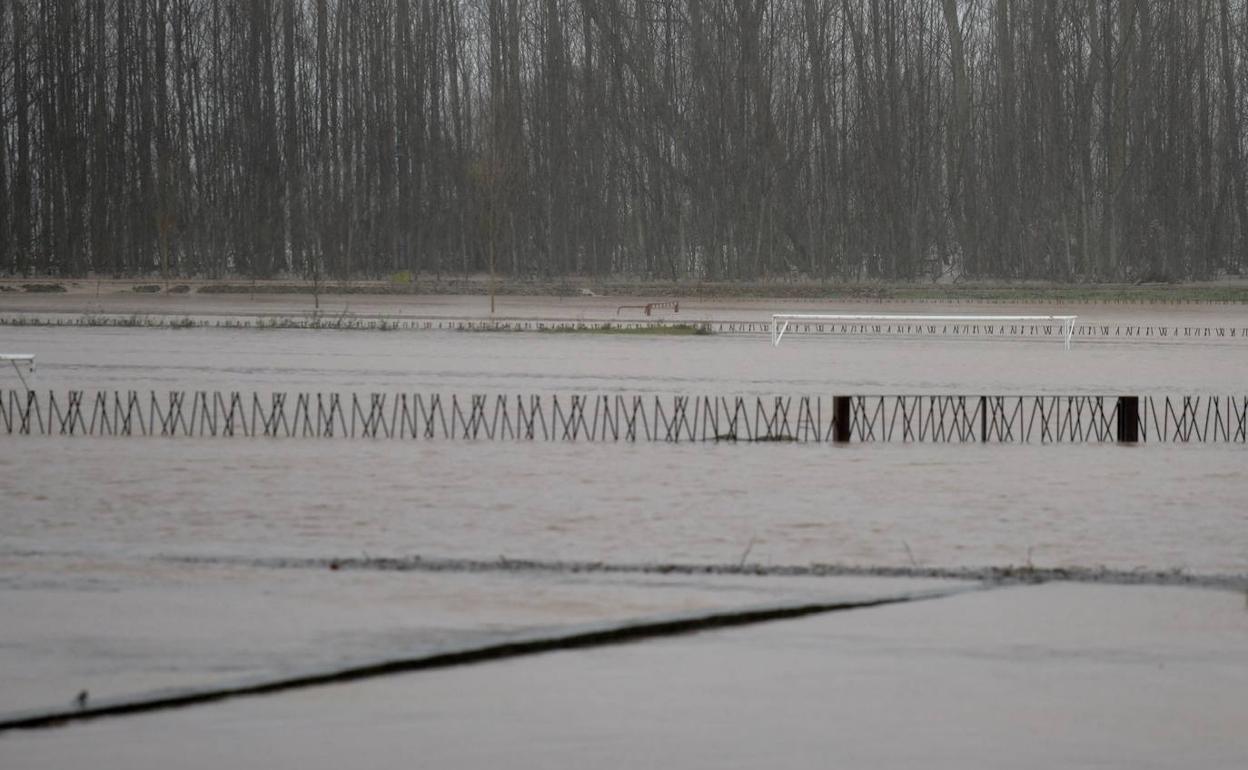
x: 20, y: 358
x: 780, y: 321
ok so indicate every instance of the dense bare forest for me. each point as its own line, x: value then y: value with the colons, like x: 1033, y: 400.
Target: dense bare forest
x: 708, y: 139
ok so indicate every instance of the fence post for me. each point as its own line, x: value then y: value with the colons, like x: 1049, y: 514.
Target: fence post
x: 840, y: 415
x: 1128, y: 419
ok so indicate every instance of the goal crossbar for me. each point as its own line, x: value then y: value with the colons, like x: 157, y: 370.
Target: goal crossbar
x: 19, y: 358
x: 780, y: 321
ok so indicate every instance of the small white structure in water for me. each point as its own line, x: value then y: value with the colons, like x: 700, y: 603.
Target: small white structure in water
x: 20, y: 358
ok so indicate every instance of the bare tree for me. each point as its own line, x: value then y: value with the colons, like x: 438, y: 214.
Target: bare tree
x: 712, y: 139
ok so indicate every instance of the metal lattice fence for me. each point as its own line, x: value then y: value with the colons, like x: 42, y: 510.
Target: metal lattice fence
x: 630, y: 418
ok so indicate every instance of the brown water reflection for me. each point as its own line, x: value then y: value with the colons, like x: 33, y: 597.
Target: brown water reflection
x: 1155, y: 507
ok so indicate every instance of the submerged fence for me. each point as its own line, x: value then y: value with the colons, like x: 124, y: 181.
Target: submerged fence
x: 989, y: 329
x: 630, y: 418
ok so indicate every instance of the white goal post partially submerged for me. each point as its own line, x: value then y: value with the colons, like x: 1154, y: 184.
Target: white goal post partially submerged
x: 20, y: 358
x: 780, y: 321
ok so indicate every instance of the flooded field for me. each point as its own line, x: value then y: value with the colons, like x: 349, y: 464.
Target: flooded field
x: 1174, y: 507
x: 522, y: 362
x: 1164, y: 507
x: 103, y: 540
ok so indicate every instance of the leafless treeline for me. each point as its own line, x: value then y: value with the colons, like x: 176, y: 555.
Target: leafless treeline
x: 1064, y: 139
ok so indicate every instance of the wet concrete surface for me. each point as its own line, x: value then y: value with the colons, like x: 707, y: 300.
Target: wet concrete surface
x: 1170, y: 507
x: 122, y: 629
x: 1021, y: 677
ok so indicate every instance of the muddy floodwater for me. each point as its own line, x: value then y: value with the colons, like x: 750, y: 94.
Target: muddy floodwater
x: 1153, y: 506
x: 103, y: 530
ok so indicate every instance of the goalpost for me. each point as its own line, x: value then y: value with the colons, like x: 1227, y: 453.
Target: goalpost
x: 20, y: 358
x: 780, y: 321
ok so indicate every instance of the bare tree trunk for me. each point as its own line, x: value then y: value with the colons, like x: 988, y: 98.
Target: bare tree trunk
x: 7, y: 256
x: 21, y: 198
x: 960, y: 145
x: 1232, y: 152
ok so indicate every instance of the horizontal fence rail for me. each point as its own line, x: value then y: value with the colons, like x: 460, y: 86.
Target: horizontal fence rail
x: 630, y: 418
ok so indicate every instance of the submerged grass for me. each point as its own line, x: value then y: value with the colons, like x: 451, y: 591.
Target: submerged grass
x: 138, y: 321
x: 347, y: 322
x: 658, y: 330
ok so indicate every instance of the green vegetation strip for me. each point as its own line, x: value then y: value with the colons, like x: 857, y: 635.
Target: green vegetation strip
x: 663, y: 330
x: 346, y: 322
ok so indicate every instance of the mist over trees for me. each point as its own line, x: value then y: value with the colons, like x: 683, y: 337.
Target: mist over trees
x: 707, y: 139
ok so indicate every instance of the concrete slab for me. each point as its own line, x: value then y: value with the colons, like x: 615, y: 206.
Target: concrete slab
x: 120, y: 629
x: 1032, y: 677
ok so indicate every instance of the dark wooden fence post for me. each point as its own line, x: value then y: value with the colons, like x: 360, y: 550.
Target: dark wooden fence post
x: 1128, y: 419
x: 840, y: 410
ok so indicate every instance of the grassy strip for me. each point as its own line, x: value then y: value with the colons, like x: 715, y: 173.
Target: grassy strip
x: 342, y: 322
x: 162, y: 322
x: 991, y: 293
x: 43, y: 288
x: 119, y: 321
x: 986, y: 292
x: 657, y: 330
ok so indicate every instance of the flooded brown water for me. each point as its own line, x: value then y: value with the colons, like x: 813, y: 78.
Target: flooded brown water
x: 1174, y: 507
x: 83, y: 517
x: 1157, y: 507
x: 323, y: 360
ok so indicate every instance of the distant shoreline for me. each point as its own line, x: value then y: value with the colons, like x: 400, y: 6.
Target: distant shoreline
x: 1228, y: 291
